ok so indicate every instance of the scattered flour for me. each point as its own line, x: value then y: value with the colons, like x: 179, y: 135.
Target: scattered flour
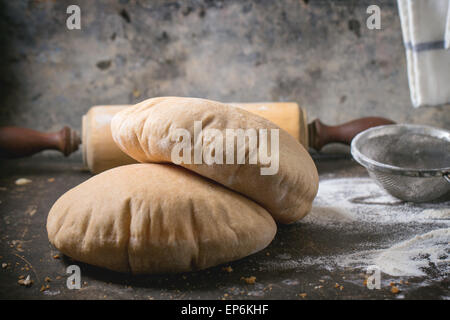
x: 429, y: 251
x: 414, y: 257
x: 443, y: 214
x: 330, y: 215
x: 362, y: 200
x: 411, y: 257
x: 284, y: 256
x: 346, y: 202
x: 291, y: 282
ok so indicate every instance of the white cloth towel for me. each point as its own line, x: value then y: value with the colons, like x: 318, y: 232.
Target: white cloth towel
x: 426, y: 34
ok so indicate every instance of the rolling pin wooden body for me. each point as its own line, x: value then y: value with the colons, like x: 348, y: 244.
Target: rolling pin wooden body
x: 99, y: 150
x: 101, y: 153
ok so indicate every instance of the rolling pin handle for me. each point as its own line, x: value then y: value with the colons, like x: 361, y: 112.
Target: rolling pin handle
x: 321, y: 134
x: 18, y: 142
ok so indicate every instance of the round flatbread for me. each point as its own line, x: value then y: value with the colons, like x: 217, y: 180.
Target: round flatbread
x: 155, y: 218
x: 149, y: 131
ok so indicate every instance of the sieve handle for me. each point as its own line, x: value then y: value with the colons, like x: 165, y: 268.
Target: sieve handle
x: 321, y: 134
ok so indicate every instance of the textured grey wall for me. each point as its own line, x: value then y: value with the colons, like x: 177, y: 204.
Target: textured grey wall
x: 318, y: 53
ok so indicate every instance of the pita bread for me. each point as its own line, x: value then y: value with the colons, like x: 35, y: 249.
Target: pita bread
x: 155, y: 218
x: 147, y: 133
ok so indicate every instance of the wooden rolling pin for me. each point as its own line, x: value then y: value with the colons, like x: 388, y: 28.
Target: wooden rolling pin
x: 101, y: 153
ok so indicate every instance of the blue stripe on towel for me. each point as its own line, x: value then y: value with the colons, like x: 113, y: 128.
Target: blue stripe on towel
x: 425, y: 46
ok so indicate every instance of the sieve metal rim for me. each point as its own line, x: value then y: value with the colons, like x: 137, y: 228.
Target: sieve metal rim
x: 373, y: 165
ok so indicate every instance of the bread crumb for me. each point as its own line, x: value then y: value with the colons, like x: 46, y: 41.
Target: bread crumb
x: 22, y: 181
x: 249, y: 280
x: 31, y: 210
x: 228, y: 269
x: 27, y: 282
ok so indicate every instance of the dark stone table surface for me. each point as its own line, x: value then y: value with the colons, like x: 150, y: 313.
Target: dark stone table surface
x: 25, y: 250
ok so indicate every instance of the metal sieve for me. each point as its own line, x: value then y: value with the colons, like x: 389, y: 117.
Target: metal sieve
x: 412, y: 162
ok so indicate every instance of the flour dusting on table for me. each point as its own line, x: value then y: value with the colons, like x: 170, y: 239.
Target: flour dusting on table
x: 352, y: 205
x: 411, y: 257
x: 361, y: 199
